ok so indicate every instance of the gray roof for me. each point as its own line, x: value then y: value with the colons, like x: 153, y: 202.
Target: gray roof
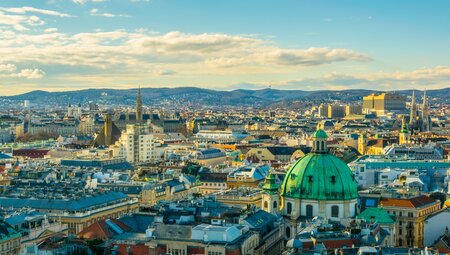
x: 23, y: 217
x: 62, y: 204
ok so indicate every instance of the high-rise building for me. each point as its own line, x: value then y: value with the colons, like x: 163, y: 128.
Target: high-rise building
x: 383, y: 103
x: 137, y: 144
x: 353, y: 110
x: 323, y: 110
x: 336, y: 111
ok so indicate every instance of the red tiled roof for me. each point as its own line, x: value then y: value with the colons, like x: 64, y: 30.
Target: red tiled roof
x: 100, y: 230
x: 137, y: 249
x: 31, y: 153
x: 414, y: 202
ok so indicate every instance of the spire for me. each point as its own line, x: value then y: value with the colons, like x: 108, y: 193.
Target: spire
x: 412, y: 115
x: 425, y: 121
x: 139, y: 106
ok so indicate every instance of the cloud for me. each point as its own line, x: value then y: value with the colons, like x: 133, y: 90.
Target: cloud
x: 435, y: 77
x: 19, y: 22
x: 8, y: 71
x: 107, y: 57
x: 98, y: 13
x: 7, y: 68
x: 85, y: 1
x: 27, y: 9
x: 314, y: 56
x: 143, y: 50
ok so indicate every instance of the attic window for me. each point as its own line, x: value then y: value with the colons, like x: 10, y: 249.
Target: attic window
x: 310, y: 178
x: 333, y: 179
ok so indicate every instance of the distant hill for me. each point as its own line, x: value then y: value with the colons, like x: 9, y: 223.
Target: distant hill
x: 200, y: 96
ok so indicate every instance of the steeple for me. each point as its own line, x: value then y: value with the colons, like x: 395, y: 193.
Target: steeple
x: 139, y: 118
x: 425, y: 118
x: 404, y: 126
x: 403, y: 135
x: 270, y: 186
x: 413, y: 114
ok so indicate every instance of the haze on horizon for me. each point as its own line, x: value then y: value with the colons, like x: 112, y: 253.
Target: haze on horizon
x: 59, y: 45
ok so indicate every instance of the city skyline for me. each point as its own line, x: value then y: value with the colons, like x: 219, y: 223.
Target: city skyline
x: 69, y: 45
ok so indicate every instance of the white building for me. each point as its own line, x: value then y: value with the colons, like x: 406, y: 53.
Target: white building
x: 137, y: 144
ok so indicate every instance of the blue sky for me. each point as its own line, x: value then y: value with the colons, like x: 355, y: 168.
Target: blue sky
x: 76, y: 44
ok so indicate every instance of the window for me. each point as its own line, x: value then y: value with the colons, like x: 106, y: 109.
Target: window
x: 309, y: 211
x: 288, y: 232
x: 335, y: 211
x: 289, y: 208
x: 275, y: 204
x: 266, y: 205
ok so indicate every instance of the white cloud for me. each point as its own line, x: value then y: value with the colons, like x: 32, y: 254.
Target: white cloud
x: 98, y: 13
x: 85, y: 1
x: 435, y: 77
x: 50, y: 30
x: 28, y: 9
x: 8, y: 71
x: 20, y: 22
x: 30, y: 74
x: 7, y: 68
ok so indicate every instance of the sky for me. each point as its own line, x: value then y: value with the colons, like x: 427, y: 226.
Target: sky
x: 59, y: 45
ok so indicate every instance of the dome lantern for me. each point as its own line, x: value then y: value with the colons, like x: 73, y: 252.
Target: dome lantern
x: 319, y: 139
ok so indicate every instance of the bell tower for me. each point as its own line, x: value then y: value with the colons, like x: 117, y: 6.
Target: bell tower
x: 404, y: 135
x: 270, y: 196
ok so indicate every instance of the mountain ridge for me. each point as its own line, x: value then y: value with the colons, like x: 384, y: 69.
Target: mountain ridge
x: 204, y: 96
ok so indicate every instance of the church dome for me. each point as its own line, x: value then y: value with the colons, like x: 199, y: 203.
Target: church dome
x: 320, y: 175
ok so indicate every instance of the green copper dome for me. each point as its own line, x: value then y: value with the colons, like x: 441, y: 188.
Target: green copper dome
x: 320, y: 134
x: 320, y: 176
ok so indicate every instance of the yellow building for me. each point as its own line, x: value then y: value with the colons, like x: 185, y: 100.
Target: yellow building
x: 411, y: 214
x: 383, y: 103
x: 168, y: 190
x: 371, y: 146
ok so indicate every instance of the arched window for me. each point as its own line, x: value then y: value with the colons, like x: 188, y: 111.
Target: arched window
x: 335, y: 211
x: 275, y: 204
x: 266, y: 205
x: 289, y: 208
x: 288, y: 232
x: 309, y: 211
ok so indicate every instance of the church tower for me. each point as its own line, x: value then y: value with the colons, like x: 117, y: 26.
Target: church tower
x: 108, y: 129
x: 413, y: 113
x: 270, y: 195
x: 139, y: 117
x: 404, y: 135
x: 79, y: 110
x: 362, y: 142
x: 69, y: 110
x: 425, y: 114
